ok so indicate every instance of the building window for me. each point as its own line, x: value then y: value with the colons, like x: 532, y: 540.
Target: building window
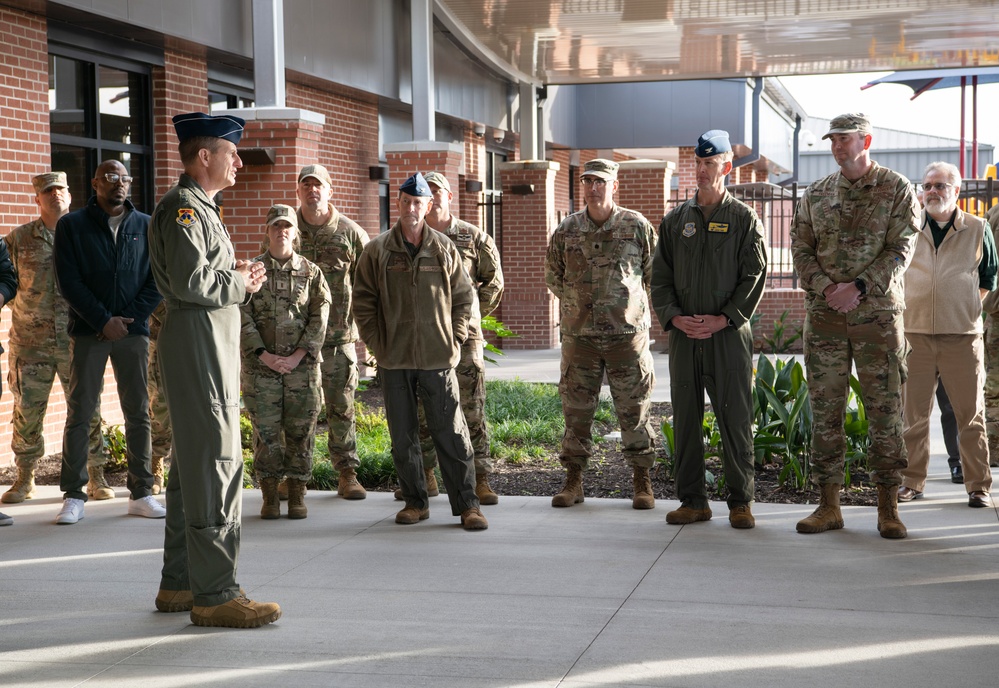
x: 491, y: 215
x: 99, y: 109
x: 218, y: 100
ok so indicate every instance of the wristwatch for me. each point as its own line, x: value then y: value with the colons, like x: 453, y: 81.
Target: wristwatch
x: 861, y: 286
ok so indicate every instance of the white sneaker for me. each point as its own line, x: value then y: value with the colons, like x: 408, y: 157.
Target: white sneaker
x: 71, y: 512
x: 147, y: 507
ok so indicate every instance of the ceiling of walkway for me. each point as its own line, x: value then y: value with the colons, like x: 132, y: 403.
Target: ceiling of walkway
x: 581, y: 41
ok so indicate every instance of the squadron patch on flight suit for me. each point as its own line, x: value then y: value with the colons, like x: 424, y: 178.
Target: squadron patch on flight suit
x: 719, y: 227
x: 689, y: 229
x: 185, y: 217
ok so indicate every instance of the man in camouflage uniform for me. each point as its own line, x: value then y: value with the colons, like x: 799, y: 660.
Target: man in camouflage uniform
x: 283, y: 328
x: 481, y: 258
x: 334, y: 243
x: 159, y: 414
x: 707, y: 280
x: 991, y: 307
x: 853, y: 235
x: 599, y: 265
x: 39, y: 343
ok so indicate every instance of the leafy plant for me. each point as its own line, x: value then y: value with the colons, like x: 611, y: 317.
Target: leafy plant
x: 114, y: 444
x: 779, y: 342
x: 491, y: 324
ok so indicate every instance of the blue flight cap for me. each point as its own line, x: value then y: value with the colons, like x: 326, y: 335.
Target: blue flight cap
x: 712, y: 143
x: 416, y: 186
x: 199, y: 124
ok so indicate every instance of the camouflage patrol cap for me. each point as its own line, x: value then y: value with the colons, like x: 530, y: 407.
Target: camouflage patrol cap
x: 848, y: 124
x: 439, y: 180
x: 316, y: 171
x: 279, y: 211
x: 599, y: 167
x: 44, y: 182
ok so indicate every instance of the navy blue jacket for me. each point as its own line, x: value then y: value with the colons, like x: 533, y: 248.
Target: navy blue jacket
x: 8, y: 276
x: 101, y: 278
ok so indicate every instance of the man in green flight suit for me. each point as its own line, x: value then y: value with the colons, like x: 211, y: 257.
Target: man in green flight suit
x: 203, y: 285
x: 708, y: 276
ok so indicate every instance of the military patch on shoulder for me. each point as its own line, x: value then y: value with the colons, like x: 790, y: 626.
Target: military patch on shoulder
x: 689, y: 229
x: 464, y: 238
x: 719, y: 227
x: 185, y: 217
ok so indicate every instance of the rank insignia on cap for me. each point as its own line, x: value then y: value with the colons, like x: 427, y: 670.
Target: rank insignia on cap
x: 185, y: 217
x: 719, y: 227
x: 689, y: 229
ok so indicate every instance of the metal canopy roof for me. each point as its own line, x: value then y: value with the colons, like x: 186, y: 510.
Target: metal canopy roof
x: 581, y: 41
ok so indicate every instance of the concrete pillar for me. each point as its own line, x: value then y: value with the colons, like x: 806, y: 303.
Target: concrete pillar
x: 422, y: 37
x: 268, y: 53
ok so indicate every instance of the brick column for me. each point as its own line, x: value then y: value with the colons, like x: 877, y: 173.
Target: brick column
x: 528, y: 308
x: 294, y: 136
x: 406, y: 159
x: 179, y: 86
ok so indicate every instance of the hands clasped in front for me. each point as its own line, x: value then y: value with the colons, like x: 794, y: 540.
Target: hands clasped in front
x: 700, y: 326
x: 842, y: 297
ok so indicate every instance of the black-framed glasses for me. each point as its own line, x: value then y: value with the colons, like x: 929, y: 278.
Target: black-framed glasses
x: 113, y: 178
x: 939, y: 186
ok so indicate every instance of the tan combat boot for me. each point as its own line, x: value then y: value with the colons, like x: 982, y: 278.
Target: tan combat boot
x: 23, y: 488
x: 472, y: 519
x: 572, y: 491
x: 271, y: 508
x: 411, y: 515
x: 348, y: 487
x: 432, y: 488
x: 170, y: 601
x: 157, y: 470
x: 889, y: 524
x: 483, y: 491
x: 644, y: 498
x: 296, y: 499
x: 98, y: 487
x: 828, y: 515
x: 236, y: 613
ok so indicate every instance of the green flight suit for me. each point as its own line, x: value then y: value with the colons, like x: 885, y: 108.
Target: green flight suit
x: 713, y: 265
x: 194, y: 265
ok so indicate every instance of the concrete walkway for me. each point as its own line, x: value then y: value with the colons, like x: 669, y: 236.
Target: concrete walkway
x: 598, y: 595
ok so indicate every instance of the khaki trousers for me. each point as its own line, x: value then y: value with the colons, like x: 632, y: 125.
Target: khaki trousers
x: 959, y: 360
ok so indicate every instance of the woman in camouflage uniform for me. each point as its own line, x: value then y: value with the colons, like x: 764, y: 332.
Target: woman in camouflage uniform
x: 283, y: 327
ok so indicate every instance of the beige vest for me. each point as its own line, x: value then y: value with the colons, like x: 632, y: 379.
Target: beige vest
x: 941, y: 285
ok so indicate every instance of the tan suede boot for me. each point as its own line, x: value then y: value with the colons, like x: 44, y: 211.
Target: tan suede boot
x: 22, y: 489
x: 472, y: 519
x: 572, y: 492
x: 828, y: 515
x: 157, y: 470
x: 237, y: 613
x: 348, y: 487
x: 271, y: 508
x: 98, y: 487
x: 433, y: 489
x: 644, y: 498
x: 483, y: 491
x: 296, y: 499
x: 889, y: 524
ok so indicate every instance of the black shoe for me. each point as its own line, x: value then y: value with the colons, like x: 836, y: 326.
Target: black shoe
x: 956, y: 475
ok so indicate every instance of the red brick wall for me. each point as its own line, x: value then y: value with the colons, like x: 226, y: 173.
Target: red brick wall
x: 404, y: 163
x: 348, y: 146
x: 258, y: 187
x: 180, y: 85
x: 528, y: 309
x: 474, y: 170
x: 26, y: 151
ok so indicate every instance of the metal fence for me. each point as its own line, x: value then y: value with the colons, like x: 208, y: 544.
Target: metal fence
x: 776, y: 204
